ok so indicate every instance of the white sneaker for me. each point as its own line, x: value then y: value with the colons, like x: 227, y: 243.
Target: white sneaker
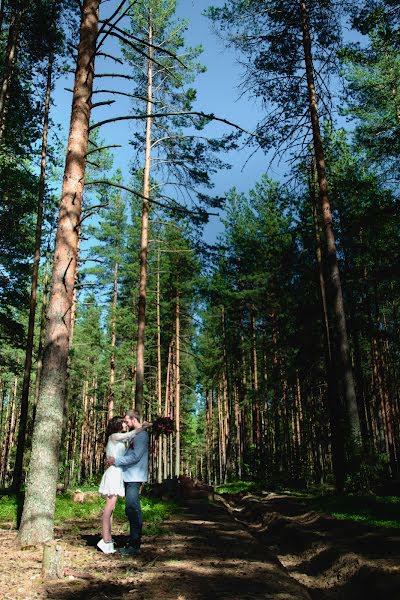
x: 106, y: 547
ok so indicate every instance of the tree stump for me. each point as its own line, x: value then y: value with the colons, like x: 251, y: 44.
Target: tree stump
x: 53, y: 561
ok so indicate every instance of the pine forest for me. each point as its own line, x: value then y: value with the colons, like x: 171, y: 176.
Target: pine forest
x: 144, y: 265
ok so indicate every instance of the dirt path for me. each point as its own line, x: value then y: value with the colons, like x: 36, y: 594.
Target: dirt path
x: 204, y: 554
x: 245, y: 549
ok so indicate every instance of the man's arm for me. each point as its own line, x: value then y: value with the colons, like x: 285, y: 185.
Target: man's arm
x: 133, y: 455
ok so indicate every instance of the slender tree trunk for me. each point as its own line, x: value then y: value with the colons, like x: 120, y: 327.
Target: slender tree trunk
x: 13, y: 423
x: 4, y: 449
x: 334, y: 406
x: 113, y: 334
x: 177, y: 388
x: 159, y: 373
x: 23, y: 420
x: 2, y: 10
x: 9, y: 63
x: 144, y: 238
x: 37, y: 524
x: 42, y: 334
x: 333, y: 267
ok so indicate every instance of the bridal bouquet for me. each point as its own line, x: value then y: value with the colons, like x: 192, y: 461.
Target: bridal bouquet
x: 162, y: 426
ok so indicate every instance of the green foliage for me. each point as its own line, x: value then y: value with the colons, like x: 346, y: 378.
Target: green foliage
x: 154, y: 512
x: 271, y: 42
x: 377, y: 511
x: 236, y: 487
x: 372, y: 92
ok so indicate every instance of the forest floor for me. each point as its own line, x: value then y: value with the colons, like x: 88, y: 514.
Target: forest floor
x: 242, y: 547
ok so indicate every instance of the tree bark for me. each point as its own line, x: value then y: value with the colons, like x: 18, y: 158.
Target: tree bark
x: 159, y: 373
x: 333, y: 267
x: 37, y: 524
x: 144, y: 238
x: 9, y: 63
x: 42, y: 334
x: 23, y: 420
x: 113, y: 334
x: 177, y: 388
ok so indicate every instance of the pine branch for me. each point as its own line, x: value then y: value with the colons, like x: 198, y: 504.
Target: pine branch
x: 139, y: 195
x: 120, y: 94
x: 98, y: 148
x: 146, y: 56
x: 149, y: 45
x: 104, y: 103
x: 117, y: 60
x: 209, y: 116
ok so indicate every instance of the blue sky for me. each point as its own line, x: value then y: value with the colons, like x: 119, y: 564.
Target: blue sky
x: 218, y: 92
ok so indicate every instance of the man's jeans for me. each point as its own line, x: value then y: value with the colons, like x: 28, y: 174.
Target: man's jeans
x: 134, y: 512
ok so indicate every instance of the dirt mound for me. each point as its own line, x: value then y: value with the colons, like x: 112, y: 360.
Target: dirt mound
x: 334, y: 559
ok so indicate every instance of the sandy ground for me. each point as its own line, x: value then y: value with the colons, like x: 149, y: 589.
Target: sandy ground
x: 247, y: 548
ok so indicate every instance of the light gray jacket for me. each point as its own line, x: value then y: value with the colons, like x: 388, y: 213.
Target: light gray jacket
x: 135, y: 461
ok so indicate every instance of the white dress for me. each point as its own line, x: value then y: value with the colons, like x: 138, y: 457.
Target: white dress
x: 112, y: 483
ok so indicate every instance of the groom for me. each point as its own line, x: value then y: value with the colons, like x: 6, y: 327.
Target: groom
x: 134, y: 464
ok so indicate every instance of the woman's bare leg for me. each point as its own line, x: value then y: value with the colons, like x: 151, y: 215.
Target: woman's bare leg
x: 107, y: 517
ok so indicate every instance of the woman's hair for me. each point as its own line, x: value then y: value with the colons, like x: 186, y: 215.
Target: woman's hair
x: 115, y: 425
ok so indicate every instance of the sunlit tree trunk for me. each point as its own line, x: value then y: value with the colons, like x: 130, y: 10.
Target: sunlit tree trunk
x: 23, y: 420
x: 113, y: 333
x: 144, y: 237
x: 177, y: 387
x: 37, y: 523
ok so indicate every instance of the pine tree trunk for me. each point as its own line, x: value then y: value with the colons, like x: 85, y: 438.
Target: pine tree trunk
x: 144, y: 238
x: 256, y: 399
x: 177, y: 388
x: 113, y: 334
x: 4, y: 448
x: 11, y: 431
x: 335, y: 410
x: 9, y: 63
x: 42, y: 333
x: 334, y: 276
x: 23, y: 420
x: 159, y: 373
x: 2, y: 10
x: 37, y: 524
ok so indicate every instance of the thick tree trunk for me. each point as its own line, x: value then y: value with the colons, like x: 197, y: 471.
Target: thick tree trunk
x: 332, y: 262
x: 23, y: 420
x: 38, y: 514
x: 144, y: 238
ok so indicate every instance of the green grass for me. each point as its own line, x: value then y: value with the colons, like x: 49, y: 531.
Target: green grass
x: 236, y: 487
x: 378, y: 511
x: 155, y: 512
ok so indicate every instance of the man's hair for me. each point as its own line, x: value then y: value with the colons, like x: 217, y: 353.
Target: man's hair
x: 133, y: 414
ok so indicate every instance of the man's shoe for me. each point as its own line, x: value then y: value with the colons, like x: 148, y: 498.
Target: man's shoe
x: 129, y: 551
x: 106, y: 547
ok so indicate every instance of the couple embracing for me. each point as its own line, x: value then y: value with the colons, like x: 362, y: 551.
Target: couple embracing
x: 127, y: 453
